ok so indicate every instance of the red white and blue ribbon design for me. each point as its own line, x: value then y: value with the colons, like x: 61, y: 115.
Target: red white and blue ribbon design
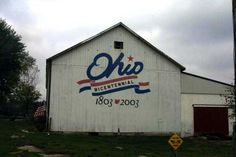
x: 113, y: 85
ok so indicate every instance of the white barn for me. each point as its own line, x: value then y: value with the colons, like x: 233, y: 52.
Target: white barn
x: 116, y: 81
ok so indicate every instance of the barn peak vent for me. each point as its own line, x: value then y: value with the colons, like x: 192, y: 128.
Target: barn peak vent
x: 118, y: 44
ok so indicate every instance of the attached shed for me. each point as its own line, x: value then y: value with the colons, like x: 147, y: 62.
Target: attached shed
x: 116, y: 81
x: 203, y: 106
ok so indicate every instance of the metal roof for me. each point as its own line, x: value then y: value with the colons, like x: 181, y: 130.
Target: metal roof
x: 208, y: 79
x: 120, y: 24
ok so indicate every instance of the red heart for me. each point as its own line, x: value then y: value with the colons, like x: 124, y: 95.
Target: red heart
x: 117, y: 101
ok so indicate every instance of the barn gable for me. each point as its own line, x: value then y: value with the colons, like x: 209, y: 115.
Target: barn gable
x: 111, y: 29
x: 143, y: 103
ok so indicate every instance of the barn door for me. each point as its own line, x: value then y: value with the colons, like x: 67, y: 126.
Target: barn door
x: 211, y: 120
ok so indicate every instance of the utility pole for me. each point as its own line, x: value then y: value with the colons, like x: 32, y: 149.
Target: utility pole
x: 234, y: 29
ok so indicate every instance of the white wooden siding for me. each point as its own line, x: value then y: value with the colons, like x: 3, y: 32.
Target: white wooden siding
x: 159, y: 110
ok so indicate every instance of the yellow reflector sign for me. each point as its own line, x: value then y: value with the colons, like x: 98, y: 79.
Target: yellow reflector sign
x: 175, y: 141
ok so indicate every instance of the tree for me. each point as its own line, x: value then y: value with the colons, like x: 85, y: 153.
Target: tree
x: 230, y: 100
x: 16, y: 66
x: 25, y: 94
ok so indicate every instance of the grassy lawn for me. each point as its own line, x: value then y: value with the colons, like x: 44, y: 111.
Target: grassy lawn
x: 101, y: 146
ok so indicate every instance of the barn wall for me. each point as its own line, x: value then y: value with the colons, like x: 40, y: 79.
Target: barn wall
x: 187, y: 102
x: 158, y: 111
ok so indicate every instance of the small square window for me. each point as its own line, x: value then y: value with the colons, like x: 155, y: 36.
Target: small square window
x: 118, y: 44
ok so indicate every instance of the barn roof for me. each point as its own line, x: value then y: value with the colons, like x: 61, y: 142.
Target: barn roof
x: 207, y: 79
x: 194, y: 84
x: 120, y: 24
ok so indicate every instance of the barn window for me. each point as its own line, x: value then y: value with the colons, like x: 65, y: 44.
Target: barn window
x: 118, y: 44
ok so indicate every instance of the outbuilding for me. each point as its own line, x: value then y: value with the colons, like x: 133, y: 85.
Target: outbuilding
x: 117, y: 82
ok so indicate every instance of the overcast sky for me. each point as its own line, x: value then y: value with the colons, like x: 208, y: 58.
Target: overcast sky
x: 196, y: 33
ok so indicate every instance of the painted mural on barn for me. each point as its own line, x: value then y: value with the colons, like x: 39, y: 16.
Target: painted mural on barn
x: 101, y: 83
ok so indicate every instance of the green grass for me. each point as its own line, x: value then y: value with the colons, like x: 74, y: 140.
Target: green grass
x: 102, y: 146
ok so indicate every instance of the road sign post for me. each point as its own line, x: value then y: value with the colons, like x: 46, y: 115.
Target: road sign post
x: 175, y: 142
